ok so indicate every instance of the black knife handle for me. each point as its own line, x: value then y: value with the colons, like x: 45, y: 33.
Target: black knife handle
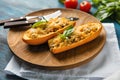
x: 18, y: 23
x: 12, y: 19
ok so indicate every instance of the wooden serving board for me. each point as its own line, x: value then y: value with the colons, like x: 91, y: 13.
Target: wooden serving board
x: 40, y: 54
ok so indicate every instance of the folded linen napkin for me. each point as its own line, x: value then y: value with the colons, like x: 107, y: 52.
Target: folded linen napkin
x: 114, y: 76
x: 103, y: 65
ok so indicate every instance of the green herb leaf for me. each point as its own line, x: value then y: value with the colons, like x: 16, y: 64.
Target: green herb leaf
x: 96, y: 2
x: 117, y: 15
x: 67, y: 32
x: 107, y: 8
x: 39, y: 24
x: 103, y: 14
x: 61, y: 1
x: 62, y: 36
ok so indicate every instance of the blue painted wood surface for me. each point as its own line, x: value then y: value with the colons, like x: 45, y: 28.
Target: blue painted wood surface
x: 17, y: 8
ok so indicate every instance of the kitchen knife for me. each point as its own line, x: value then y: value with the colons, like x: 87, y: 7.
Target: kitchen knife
x: 27, y: 20
x: 24, y: 23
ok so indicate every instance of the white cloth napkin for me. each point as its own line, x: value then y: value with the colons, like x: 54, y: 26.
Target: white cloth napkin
x: 114, y: 76
x: 103, y: 65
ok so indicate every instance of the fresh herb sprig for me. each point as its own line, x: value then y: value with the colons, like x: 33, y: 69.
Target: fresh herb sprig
x: 107, y: 8
x: 41, y: 23
x: 67, y: 33
x: 38, y: 24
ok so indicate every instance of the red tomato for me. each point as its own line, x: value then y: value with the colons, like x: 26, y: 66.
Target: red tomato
x: 85, y: 6
x: 71, y: 4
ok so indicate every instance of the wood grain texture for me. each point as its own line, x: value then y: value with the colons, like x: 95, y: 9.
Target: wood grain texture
x: 40, y: 55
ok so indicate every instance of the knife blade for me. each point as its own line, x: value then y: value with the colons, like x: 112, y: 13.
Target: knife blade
x: 47, y: 17
x: 26, y: 20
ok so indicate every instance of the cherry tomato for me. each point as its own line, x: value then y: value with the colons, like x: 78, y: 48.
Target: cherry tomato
x: 71, y: 4
x: 85, y: 6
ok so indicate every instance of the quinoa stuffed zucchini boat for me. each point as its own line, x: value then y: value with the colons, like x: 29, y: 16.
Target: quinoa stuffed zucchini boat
x: 74, y: 37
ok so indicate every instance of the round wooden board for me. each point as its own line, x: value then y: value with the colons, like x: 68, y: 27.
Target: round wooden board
x: 40, y: 55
